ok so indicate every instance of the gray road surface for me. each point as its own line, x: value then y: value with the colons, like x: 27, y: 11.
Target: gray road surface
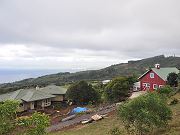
x: 78, y: 119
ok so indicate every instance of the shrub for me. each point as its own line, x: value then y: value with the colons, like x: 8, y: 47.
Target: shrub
x: 35, y: 125
x: 7, y: 116
x: 167, y: 90
x: 142, y: 114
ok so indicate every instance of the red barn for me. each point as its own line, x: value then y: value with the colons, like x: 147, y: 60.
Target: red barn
x: 156, y: 77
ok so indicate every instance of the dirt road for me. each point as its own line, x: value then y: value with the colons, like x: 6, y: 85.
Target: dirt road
x: 78, y: 119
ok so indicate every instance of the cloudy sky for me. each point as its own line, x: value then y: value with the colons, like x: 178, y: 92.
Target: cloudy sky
x: 86, y: 34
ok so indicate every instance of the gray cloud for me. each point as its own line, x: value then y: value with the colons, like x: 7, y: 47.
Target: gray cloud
x: 93, y: 32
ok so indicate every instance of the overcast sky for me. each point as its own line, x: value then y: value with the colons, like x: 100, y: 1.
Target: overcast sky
x: 86, y: 34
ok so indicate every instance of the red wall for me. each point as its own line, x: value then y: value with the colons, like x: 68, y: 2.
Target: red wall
x: 156, y: 80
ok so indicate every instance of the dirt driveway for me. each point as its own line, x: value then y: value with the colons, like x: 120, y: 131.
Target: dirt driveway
x: 78, y: 119
x: 137, y: 94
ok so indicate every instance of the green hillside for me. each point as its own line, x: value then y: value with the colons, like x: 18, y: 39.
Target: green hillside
x: 123, y: 69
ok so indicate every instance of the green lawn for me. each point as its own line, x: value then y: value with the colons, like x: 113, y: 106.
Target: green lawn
x: 102, y: 127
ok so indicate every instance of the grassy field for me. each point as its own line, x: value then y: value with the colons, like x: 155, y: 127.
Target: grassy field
x: 103, y: 127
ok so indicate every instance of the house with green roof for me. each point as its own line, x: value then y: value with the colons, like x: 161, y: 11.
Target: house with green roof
x: 58, y: 91
x: 36, y: 98
x: 156, y: 77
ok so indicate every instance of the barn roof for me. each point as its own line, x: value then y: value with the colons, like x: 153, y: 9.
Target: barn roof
x: 162, y: 72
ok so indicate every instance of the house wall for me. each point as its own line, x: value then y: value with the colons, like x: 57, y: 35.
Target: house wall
x: 25, y: 106
x: 31, y: 105
x: 156, y: 80
x: 58, y: 98
x: 21, y: 108
x: 39, y: 103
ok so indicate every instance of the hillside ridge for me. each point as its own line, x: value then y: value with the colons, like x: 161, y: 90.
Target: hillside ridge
x: 123, y: 69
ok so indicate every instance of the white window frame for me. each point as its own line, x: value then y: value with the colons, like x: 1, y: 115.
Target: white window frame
x: 155, y: 86
x: 47, y: 102
x: 146, y: 86
x: 151, y: 75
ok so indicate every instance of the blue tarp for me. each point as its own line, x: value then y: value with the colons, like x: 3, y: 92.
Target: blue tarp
x: 79, y: 109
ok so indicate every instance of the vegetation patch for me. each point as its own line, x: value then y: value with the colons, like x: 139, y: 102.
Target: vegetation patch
x: 145, y: 113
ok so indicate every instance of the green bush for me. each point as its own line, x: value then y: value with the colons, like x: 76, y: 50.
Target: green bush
x: 142, y: 114
x: 7, y: 116
x: 167, y: 90
x: 35, y: 125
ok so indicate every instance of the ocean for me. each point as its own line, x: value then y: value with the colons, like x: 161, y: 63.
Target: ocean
x: 11, y: 75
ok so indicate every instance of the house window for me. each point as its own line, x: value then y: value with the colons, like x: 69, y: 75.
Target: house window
x: 155, y: 86
x: 151, y: 75
x: 47, y: 102
x: 21, y: 105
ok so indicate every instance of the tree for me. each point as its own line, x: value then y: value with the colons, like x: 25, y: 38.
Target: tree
x: 172, y: 79
x: 82, y: 93
x: 117, y: 90
x: 178, y: 76
x: 132, y: 80
x: 7, y: 116
x: 142, y: 114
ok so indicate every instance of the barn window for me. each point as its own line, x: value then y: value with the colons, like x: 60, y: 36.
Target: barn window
x: 155, y: 86
x: 146, y: 85
x: 151, y: 75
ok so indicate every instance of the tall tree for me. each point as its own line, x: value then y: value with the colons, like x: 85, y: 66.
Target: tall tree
x: 117, y: 90
x: 172, y: 79
x: 82, y: 93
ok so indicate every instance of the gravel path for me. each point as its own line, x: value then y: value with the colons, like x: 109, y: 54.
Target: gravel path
x: 78, y: 119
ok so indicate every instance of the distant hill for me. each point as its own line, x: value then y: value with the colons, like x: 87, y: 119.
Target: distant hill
x: 123, y: 69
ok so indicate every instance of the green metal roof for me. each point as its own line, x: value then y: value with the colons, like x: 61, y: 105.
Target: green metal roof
x: 26, y: 95
x: 164, y: 72
x: 53, y: 89
x: 34, y: 95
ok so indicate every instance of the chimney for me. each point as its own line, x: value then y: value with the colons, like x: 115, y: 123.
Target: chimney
x: 157, y: 66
